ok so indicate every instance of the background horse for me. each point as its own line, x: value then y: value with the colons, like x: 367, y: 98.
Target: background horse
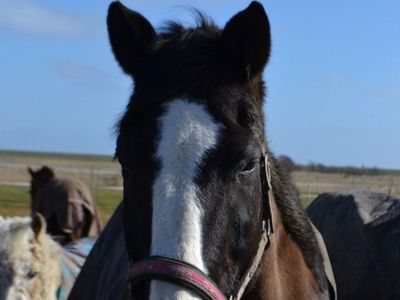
x: 200, y: 185
x: 66, y: 204
x: 32, y: 265
x: 362, y: 234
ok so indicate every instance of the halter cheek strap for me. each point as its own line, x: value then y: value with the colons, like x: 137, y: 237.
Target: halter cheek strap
x: 267, y: 226
x: 189, y: 276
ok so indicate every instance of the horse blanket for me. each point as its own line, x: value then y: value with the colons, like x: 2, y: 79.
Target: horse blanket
x: 103, y: 277
x: 73, y: 257
x: 361, y: 230
x: 69, y: 203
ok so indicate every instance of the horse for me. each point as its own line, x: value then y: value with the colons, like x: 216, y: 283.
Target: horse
x: 66, y: 204
x: 32, y: 265
x: 361, y: 231
x: 207, y: 210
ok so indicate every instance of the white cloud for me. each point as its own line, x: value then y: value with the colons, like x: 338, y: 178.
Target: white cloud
x: 27, y: 16
x: 86, y: 76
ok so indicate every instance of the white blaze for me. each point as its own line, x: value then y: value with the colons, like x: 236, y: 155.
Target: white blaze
x: 187, y: 131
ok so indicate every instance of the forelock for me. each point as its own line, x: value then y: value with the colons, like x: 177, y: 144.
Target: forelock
x: 176, y: 31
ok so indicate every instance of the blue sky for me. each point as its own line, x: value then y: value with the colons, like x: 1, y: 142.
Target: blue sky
x: 333, y: 78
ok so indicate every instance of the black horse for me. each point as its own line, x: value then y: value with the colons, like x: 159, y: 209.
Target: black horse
x: 196, y: 165
x: 361, y: 229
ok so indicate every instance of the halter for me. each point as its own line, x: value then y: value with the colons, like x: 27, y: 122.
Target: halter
x: 189, y: 276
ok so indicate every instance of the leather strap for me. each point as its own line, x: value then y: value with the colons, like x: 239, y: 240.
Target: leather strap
x: 177, y: 272
x: 267, y: 229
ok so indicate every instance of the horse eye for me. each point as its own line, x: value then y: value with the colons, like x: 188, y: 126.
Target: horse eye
x: 250, y: 167
x: 31, y: 274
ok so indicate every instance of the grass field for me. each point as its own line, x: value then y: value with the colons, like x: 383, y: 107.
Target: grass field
x: 15, y: 201
x: 24, y: 156
x: 101, y: 173
x: 97, y: 171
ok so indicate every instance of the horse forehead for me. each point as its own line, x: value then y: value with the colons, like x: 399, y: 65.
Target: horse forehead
x: 14, y: 230
x: 186, y: 131
x: 21, y: 248
x: 16, y: 253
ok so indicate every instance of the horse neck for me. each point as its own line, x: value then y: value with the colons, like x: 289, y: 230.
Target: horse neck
x: 284, y: 273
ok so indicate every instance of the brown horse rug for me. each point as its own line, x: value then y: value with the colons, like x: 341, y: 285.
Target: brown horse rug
x: 68, y: 207
x: 361, y: 230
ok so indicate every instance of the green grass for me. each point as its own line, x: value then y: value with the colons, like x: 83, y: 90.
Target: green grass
x: 65, y: 156
x: 107, y: 203
x: 306, y: 200
x: 15, y: 201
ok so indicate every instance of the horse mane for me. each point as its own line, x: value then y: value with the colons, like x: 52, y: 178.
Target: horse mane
x: 11, y: 223
x: 9, y: 226
x: 295, y: 220
x: 170, y: 30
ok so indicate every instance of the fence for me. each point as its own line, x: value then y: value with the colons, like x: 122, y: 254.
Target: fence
x: 98, y: 179
x: 107, y: 177
x: 314, y: 183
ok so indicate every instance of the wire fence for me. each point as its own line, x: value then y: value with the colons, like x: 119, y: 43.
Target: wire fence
x: 312, y: 184
x: 98, y: 179
x: 106, y: 178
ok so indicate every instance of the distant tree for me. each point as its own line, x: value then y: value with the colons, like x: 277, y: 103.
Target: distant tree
x: 287, y: 163
x: 347, y: 170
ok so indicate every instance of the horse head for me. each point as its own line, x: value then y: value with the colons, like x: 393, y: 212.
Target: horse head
x: 29, y: 266
x: 191, y: 140
x: 192, y: 147
x: 39, y: 178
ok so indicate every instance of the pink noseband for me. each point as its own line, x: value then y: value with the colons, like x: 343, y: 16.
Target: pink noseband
x: 175, y: 272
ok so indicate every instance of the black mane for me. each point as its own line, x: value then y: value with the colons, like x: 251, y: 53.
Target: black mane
x: 295, y: 220
x: 173, y: 30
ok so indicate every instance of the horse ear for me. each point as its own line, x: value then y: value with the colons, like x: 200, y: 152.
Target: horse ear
x: 131, y: 36
x: 38, y: 225
x: 31, y: 172
x: 246, y: 41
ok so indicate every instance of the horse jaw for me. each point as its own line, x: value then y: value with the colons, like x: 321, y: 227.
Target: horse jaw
x: 187, y: 132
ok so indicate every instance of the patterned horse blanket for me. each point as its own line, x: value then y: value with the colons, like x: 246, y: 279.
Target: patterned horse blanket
x: 73, y: 257
x: 103, y: 277
x: 361, y: 230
